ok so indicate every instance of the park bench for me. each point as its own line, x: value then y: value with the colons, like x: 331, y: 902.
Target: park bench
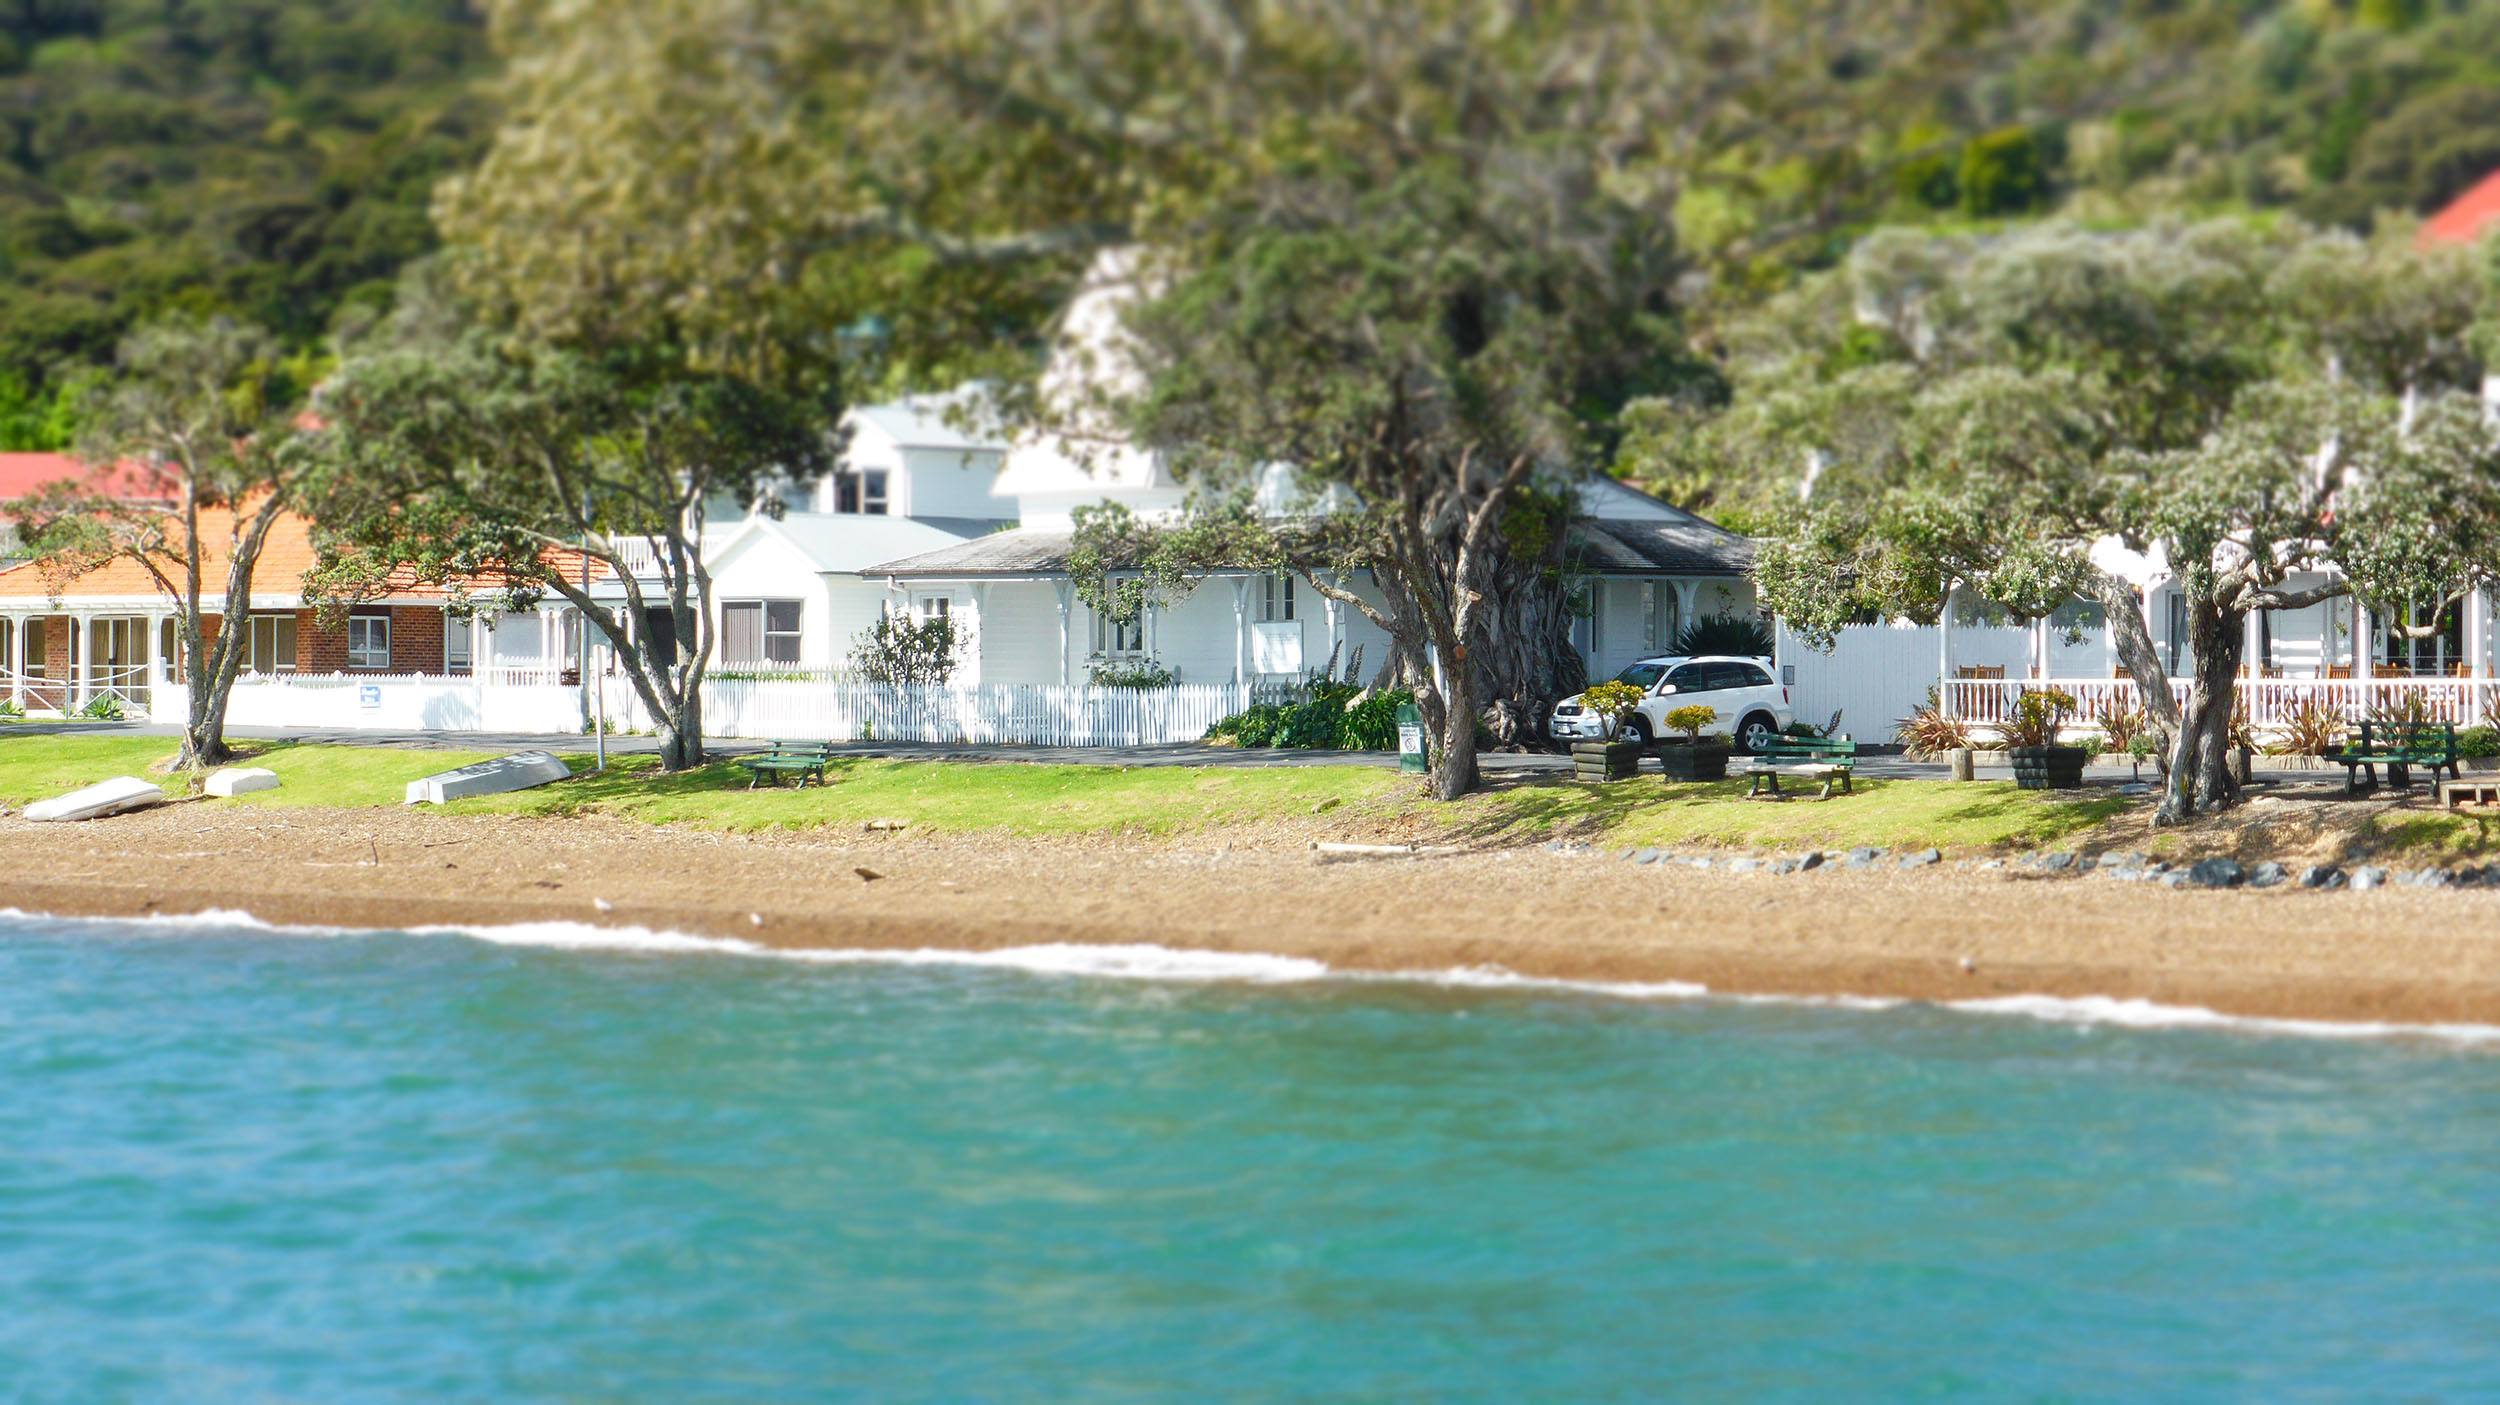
x: 2398, y: 746
x: 1824, y: 759
x: 800, y: 759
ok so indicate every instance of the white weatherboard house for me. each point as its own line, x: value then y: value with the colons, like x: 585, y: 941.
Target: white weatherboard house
x: 929, y: 515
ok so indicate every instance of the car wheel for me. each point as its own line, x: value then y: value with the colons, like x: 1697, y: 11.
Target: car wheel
x: 1637, y: 729
x: 1757, y: 731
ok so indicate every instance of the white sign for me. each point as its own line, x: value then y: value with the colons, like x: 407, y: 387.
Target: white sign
x: 1410, y: 739
x: 369, y: 695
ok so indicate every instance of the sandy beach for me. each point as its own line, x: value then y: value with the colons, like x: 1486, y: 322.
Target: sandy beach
x: 1942, y: 934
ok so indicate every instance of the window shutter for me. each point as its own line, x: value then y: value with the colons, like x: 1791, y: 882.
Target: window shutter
x: 742, y: 632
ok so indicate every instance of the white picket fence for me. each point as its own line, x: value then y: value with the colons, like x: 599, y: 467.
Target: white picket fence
x: 845, y: 710
x: 500, y: 699
x: 2270, y: 702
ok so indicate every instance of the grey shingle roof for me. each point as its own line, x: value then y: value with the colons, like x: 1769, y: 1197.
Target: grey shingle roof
x: 1016, y: 553
x: 1687, y: 546
x: 1618, y: 546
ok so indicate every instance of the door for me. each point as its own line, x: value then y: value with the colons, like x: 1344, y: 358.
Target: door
x: 659, y: 630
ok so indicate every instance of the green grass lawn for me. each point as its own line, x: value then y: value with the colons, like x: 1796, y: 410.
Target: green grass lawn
x: 1891, y: 814
x: 1014, y: 797
x: 1058, y: 800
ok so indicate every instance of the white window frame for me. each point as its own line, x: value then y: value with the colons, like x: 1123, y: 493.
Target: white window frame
x: 362, y: 656
x: 281, y: 660
x: 871, y: 490
x: 1276, y: 591
x: 463, y: 662
x: 1119, y: 639
x: 796, y: 634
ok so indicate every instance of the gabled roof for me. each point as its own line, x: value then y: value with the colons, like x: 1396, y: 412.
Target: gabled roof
x: 932, y: 421
x: 1678, y: 545
x: 2464, y: 219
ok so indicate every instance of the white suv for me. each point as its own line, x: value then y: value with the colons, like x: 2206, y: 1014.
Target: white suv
x: 1752, y: 706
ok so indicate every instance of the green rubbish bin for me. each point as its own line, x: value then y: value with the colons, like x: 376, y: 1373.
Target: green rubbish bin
x: 1414, y: 752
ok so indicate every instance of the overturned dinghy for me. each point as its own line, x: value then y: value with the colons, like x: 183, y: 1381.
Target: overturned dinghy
x: 519, y: 771
x: 96, y: 801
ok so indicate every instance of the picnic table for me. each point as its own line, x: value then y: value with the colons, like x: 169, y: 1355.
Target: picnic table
x: 2398, y: 746
x: 1824, y: 759
x: 800, y: 759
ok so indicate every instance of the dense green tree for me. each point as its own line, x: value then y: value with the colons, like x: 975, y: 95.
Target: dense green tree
x: 2251, y: 404
x: 493, y: 468
x: 197, y: 451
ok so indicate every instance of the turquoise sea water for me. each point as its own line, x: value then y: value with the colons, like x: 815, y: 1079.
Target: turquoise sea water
x: 244, y: 1166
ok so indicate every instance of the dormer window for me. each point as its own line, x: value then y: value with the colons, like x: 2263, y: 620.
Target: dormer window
x: 862, y: 492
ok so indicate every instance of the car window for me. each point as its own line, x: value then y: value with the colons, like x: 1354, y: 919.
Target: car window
x: 1642, y: 675
x: 1731, y: 675
x: 1747, y: 675
x: 1690, y: 678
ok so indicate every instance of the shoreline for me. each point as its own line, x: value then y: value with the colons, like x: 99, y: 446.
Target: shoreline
x: 2388, y: 957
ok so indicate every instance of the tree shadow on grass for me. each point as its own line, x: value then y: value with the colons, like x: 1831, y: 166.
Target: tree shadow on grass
x: 1887, y: 811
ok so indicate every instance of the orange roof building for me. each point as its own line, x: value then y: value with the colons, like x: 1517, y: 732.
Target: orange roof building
x: 2466, y: 218
x: 64, y: 640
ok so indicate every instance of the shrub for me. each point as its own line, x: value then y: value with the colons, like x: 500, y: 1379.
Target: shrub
x: 105, y: 708
x: 2406, y: 708
x: 1691, y: 718
x: 1613, y: 701
x: 2479, y: 742
x: 1927, y: 733
x: 2038, y: 713
x: 1372, y: 724
x: 1741, y: 635
x: 1144, y: 674
x: 10, y: 708
x: 2313, y: 729
x: 2120, y: 724
x: 898, y: 649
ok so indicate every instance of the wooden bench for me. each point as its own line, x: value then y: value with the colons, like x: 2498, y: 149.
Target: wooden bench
x: 1830, y: 760
x: 2398, y: 746
x: 800, y: 759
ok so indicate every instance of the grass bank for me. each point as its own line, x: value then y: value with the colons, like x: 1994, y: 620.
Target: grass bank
x: 1048, y: 800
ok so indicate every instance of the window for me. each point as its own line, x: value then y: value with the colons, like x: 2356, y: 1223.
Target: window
x: 760, y: 631
x: 456, y: 640
x: 34, y: 647
x: 368, y: 640
x: 272, y: 646
x: 1658, y: 615
x: 1691, y: 678
x: 1739, y: 675
x: 1643, y: 676
x: 862, y: 492
x: 1119, y: 638
x: 933, y: 607
x: 1276, y: 599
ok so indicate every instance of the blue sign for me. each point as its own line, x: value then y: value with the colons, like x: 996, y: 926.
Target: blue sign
x: 369, y: 695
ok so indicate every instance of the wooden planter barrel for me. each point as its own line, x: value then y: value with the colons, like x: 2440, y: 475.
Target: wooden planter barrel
x: 1687, y: 760
x: 1605, y: 761
x: 2047, y: 767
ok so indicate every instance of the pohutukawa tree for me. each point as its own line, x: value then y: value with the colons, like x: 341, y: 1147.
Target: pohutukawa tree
x: 2251, y: 406
x: 194, y: 443
x: 1453, y: 235
x: 493, y: 470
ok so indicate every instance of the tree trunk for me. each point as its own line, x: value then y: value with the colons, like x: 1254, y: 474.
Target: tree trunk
x: 204, y: 732
x: 1454, y: 770
x: 2200, y: 777
x: 1521, y: 663
x: 681, y: 733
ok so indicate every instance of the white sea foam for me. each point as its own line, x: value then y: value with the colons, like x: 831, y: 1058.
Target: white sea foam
x: 1148, y: 962
x: 2147, y: 1014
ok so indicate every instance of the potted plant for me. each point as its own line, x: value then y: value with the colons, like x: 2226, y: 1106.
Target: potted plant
x: 1693, y: 757
x: 2031, y: 742
x: 1616, y: 757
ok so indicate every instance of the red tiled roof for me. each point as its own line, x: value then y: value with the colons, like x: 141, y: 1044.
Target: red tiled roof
x: 284, y: 557
x: 2466, y: 218
x: 23, y: 473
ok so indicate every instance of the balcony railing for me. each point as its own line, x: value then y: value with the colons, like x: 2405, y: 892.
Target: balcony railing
x: 2270, y: 702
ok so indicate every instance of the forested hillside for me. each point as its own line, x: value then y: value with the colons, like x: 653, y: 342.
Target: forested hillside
x: 268, y: 158
x: 275, y: 158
